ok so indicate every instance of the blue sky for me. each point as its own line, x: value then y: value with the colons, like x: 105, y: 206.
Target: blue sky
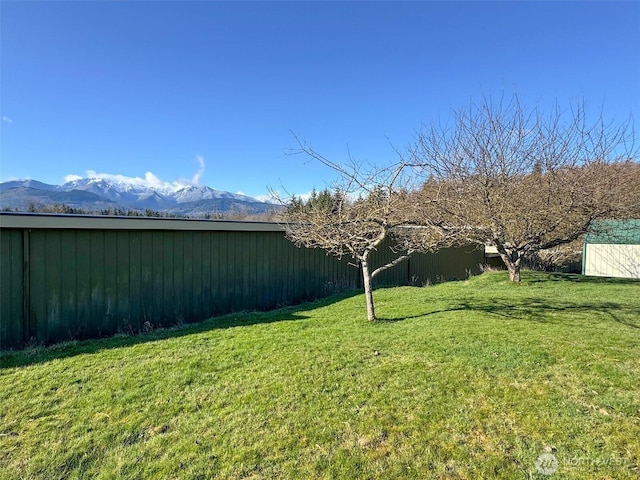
x: 210, y: 92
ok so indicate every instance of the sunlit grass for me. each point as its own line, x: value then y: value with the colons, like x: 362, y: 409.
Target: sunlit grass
x: 470, y: 379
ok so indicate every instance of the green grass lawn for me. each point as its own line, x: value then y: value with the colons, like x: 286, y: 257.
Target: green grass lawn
x: 473, y: 379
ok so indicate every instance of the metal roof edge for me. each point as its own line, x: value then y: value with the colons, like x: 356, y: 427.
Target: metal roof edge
x: 614, y: 231
x: 106, y: 222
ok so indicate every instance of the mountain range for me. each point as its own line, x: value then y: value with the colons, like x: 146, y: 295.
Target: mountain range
x: 98, y: 194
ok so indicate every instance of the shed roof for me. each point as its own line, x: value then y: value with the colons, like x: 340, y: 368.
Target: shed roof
x: 622, y: 232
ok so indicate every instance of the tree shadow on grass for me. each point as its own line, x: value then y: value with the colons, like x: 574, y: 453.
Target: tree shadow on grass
x: 422, y: 315
x: 546, y: 311
x: 540, y: 277
x: 42, y: 354
x: 542, y: 310
x: 537, y: 310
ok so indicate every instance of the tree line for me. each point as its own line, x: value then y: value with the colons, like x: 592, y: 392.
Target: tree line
x: 63, y: 208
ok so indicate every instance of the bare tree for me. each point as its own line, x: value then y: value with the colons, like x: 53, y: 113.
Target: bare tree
x: 524, y: 181
x: 366, y: 206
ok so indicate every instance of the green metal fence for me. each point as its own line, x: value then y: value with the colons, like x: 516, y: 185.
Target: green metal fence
x: 74, y: 277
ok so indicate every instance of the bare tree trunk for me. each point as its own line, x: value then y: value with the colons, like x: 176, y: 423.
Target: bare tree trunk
x: 512, y: 262
x: 514, y: 272
x: 368, y: 291
x: 512, y: 259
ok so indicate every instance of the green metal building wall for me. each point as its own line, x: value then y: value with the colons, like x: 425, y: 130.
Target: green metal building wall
x: 12, y: 293
x: 64, y: 278
x: 428, y: 268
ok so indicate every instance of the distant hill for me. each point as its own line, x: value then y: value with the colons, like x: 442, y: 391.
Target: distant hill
x: 97, y: 194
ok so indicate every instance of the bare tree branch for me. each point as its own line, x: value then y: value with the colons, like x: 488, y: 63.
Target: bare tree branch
x: 524, y: 181
x: 363, y: 209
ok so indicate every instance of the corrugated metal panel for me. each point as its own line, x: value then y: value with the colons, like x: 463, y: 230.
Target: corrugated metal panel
x: 95, y: 282
x: 12, y: 329
x: 92, y: 283
x: 446, y: 264
x: 396, y: 275
x: 422, y: 268
x: 621, y: 261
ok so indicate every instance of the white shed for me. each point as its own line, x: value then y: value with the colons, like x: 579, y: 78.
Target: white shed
x: 612, y: 249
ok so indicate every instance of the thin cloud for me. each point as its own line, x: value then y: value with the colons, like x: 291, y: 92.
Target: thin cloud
x: 197, y: 177
x: 150, y: 179
x: 7, y: 120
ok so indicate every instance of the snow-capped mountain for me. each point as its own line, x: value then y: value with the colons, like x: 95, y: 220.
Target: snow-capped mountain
x: 195, y: 194
x: 94, y: 194
x: 111, y: 191
x: 27, y: 184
